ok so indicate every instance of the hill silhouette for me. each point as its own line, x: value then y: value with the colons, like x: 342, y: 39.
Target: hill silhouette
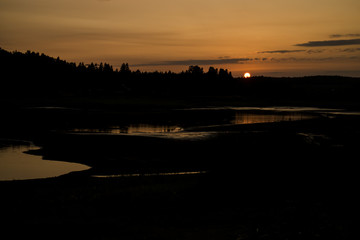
x: 32, y: 73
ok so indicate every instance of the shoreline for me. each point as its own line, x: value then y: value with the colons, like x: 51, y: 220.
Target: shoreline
x: 265, y: 180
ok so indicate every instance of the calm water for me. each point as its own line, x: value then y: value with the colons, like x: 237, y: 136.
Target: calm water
x: 15, y: 164
x: 216, y: 116
x: 133, y: 129
x: 149, y: 174
x: 150, y: 130
x: 252, y: 117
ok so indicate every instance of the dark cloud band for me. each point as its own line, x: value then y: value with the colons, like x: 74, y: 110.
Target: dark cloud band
x: 329, y: 43
x: 345, y: 35
x: 283, y: 51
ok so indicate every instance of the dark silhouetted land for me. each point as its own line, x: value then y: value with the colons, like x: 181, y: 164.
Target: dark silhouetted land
x: 34, y: 75
x: 270, y: 180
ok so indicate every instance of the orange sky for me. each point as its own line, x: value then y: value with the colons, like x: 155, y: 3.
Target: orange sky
x: 264, y: 37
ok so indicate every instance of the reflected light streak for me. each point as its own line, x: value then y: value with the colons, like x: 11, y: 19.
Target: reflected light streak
x: 149, y: 174
x: 251, y: 118
x: 133, y: 129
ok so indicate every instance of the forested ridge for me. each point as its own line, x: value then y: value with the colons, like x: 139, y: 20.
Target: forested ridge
x: 32, y: 74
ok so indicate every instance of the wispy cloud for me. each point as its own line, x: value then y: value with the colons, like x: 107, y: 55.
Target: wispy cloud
x: 197, y: 62
x: 304, y: 59
x: 339, y: 50
x: 315, y: 51
x: 330, y: 43
x: 345, y: 35
x: 310, y: 59
x: 349, y: 50
x: 283, y: 51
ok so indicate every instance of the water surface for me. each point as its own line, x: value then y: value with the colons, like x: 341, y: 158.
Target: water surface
x: 143, y: 128
x: 213, y: 116
x: 242, y: 117
x: 16, y: 164
x: 149, y: 174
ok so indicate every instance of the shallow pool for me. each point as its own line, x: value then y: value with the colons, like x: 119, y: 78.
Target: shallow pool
x: 16, y: 164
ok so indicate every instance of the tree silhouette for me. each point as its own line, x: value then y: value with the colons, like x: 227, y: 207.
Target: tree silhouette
x: 195, y: 70
x: 33, y: 74
x: 125, y: 69
x: 212, y: 74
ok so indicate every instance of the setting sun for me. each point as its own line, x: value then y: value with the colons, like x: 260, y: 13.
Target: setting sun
x: 247, y: 75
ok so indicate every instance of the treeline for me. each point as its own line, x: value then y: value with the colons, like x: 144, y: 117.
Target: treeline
x: 35, y: 74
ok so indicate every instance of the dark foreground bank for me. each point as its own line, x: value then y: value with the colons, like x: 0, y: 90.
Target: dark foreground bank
x: 172, y: 207
x: 282, y: 180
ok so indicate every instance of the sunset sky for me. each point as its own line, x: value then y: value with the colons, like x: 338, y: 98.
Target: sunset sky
x: 264, y: 37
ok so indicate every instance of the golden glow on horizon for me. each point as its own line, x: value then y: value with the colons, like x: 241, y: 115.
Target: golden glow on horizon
x: 167, y: 35
x: 247, y: 75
